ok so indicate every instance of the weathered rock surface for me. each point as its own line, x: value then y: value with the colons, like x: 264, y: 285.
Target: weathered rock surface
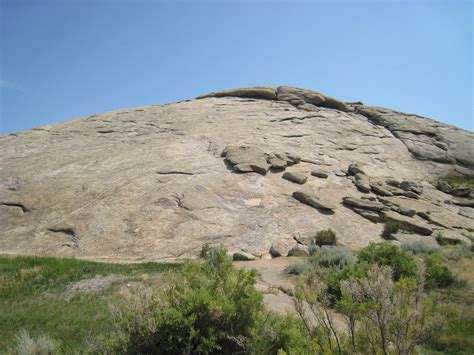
x: 425, y: 138
x: 149, y: 183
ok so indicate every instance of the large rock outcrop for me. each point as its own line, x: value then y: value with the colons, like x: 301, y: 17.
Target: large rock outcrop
x: 159, y: 182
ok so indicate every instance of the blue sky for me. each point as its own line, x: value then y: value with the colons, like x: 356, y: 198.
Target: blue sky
x: 63, y: 59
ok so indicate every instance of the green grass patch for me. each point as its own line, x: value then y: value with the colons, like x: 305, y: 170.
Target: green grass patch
x: 32, y: 297
x: 456, y: 305
x: 457, y: 181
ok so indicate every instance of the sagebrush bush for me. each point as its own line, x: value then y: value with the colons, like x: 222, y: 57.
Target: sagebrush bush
x: 325, y: 237
x: 313, y: 249
x: 437, y: 273
x: 455, y: 253
x: 332, y: 256
x: 297, y: 269
x: 205, y: 308
x: 420, y: 247
x: 27, y: 345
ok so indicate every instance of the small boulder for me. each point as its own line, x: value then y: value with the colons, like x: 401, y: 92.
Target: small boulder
x: 354, y: 168
x: 465, y: 202
x: 361, y: 181
x: 417, y: 226
x: 379, y: 189
x: 243, y: 256
x: 313, y: 201
x: 320, y: 173
x: 444, y: 187
x: 461, y: 191
x: 295, y: 177
x: 298, y: 250
x: 406, y: 211
x: 370, y: 215
x: 393, y: 182
x: 246, y: 159
x: 450, y: 237
x: 363, y: 204
x: 281, y: 247
x: 276, y: 163
x: 412, y: 186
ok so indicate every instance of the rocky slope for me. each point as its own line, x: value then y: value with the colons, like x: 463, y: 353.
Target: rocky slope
x: 259, y: 170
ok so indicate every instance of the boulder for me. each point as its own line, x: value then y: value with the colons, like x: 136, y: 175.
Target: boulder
x: 412, y: 224
x: 313, y: 201
x: 281, y: 247
x: 465, y: 202
x: 406, y: 211
x: 295, y: 177
x: 444, y: 187
x: 320, y: 173
x: 289, y: 158
x: 380, y: 189
x: 354, y: 168
x: 461, y: 191
x: 361, y: 181
x: 412, y: 186
x: 243, y: 256
x: 160, y: 191
x: 450, y: 237
x: 276, y: 163
x: 368, y: 214
x: 363, y: 204
x: 246, y: 159
x: 298, y: 250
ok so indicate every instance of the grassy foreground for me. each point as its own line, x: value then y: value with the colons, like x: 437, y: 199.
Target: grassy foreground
x: 34, y: 296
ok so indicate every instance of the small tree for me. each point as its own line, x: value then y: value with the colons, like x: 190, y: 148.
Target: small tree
x: 378, y: 311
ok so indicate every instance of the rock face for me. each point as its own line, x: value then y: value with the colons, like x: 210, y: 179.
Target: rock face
x: 159, y: 182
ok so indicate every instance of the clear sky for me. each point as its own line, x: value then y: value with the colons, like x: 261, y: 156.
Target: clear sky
x: 63, y: 59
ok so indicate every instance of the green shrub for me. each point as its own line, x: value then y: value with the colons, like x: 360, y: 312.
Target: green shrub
x: 332, y: 256
x: 391, y: 228
x: 325, y: 237
x: 206, y: 308
x: 437, y: 273
x: 281, y: 335
x: 297, y: 269
x: 333, y: 277
x: 402, y: 263
x: 420, y: 247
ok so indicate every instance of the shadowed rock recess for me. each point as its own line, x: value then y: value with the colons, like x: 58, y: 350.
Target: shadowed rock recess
x: 259, y: 170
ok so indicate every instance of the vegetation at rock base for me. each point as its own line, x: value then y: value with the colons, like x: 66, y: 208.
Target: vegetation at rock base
x: 420, y: 247
x: 385, y: 300
x: 325, y: 237
x: 204, y: 308
x: 391, y: 228
x: 332, y: 256
x: 457, y: 181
